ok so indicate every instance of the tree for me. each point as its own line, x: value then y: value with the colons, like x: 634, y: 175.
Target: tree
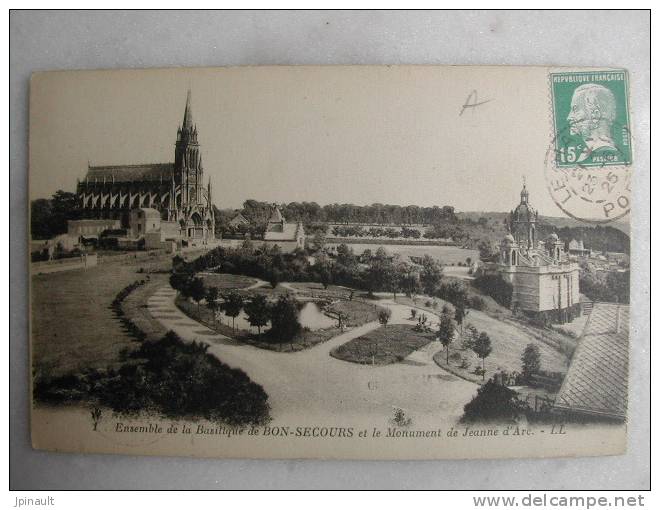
x: 408, y: 279
x: 496, y: 287
x: 446, y: 331
x: 212, y: 295
x: 493, y: 402
x: 274, y: 279
x: 232, y: 306
x: 487, y: 250
x: 41, y: 213
x: 384, y: 315
x: 180, y: 282
x: 380, y: 274
x: 325, y: 277
x: 531, y: 361
x: 178, y: 263
x: 197, y: 291
x: 460, y: 314
x: 470, y: 337
x: 258, y: 312
x: 284, y: 319
x: 49, y: 216
x: 430, y: 275
x: 482, y: 348
x: 318, y: 241
x: 345, y: 256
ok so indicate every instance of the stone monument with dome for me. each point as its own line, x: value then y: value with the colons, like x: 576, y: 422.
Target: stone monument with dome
x: 546, y: 284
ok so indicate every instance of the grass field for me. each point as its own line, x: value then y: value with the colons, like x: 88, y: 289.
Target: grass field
x: 383, y: 346
x: 226, y: 282
x: 508, y: 344
x: 73, y: 326
x: 443, y: 254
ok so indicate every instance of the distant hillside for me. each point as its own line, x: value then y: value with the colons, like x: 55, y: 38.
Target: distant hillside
x: 558, y: 221
x: 612, y: 237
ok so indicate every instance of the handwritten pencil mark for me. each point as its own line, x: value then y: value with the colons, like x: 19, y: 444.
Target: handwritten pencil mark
x: 472, y: 101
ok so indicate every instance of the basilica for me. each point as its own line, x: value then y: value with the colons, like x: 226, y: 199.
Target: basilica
x: 545, y: 282
x: 173, y: 193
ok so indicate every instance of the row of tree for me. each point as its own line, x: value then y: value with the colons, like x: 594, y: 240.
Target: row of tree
x: 282, y: 314
x: 451, y: 319
x: 311, y: 212
x: 390, y: 232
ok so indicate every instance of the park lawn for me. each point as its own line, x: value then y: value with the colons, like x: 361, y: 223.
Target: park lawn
x: 383, y: 346
x: 443, y: 254
x: 73, y: 324
x: 225, y: 281
x: 304, y: 340
x: 508, y: 344
x: 508, y: 337
x: 355, y: 313
x: 135, y: 308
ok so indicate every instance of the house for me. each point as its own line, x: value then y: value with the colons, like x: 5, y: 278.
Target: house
x: 288, y: 236
x: 239, y: 221
x: 577, y: 249
x: 144, y: 220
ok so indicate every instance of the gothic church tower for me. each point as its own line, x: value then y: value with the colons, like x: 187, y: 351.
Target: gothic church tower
x: 192, y: 207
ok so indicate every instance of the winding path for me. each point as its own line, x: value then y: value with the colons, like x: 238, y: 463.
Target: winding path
x: 310, y: 385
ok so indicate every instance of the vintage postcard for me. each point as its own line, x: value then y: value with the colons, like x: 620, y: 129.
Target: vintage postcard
x: 348, y: 262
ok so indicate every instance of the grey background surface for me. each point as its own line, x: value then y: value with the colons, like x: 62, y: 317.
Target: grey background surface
x: 92, y: 40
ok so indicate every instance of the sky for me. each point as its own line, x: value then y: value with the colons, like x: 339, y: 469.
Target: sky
x: 336, y: 134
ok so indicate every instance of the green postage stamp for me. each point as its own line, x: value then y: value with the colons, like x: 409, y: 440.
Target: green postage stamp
x: 591, y: 120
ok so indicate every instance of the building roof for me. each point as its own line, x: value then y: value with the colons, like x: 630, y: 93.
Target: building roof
x: 239, y: 219
x: 276, y: 216
x: 149, y: 212
x: 289, y: 233
x: 86, y: 222
x: 597, y: 380
x: 576, y: 245
x: 130, y: 173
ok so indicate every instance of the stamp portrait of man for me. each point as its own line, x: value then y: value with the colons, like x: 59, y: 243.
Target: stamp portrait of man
x: 593, y: 110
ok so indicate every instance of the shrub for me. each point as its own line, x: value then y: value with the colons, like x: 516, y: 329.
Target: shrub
x: 531, y: 361
x: 493, y: 402
x: 169, y: 377
x: 476, y: 303
x: 455, y: 356
x: 384, y: 315
x: 496, y: 287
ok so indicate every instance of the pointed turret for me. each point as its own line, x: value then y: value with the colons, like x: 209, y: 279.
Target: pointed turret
x: 187, y: 114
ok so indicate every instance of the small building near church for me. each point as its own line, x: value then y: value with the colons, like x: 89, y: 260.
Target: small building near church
x: 288, y: 236
x: 90, y: 228
x: 239, y: 221
x: 143, y: 221
x: 576, y: 249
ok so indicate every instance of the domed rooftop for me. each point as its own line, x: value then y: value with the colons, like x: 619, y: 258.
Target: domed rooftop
x: 524, y: 211
x: 553, y: 237
x: 509, y: 238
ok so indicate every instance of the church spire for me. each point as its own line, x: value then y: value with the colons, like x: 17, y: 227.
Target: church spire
x: 187, y: 115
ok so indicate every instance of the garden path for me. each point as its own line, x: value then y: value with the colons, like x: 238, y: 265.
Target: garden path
x: 311, y: 387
